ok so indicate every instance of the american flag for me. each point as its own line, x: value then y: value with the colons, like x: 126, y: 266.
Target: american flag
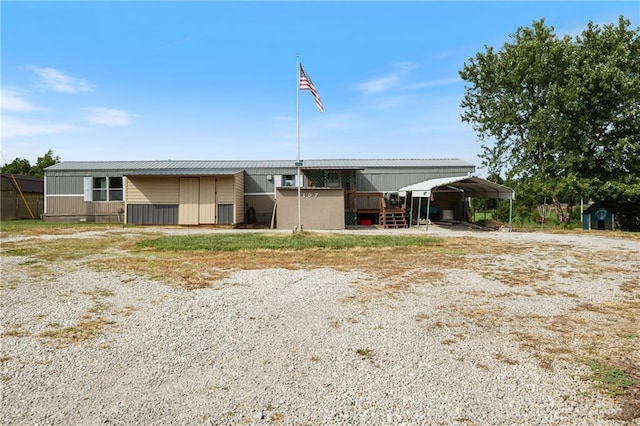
x: 306, y: 84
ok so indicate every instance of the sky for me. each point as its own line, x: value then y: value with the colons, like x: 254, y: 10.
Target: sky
x: 212, y: 80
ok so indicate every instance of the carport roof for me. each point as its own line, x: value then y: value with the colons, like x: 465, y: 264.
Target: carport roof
x: 472, y: 186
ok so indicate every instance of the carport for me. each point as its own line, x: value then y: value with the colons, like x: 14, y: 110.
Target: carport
x: 468, y: 186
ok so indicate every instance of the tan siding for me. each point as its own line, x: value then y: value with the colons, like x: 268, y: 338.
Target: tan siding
x: 224, y: 186
x: 152, y: 190
x: 207, y: 200
x: 238, y: 216
x: 77, y: 206
x: 189, y: 201
x: 100, y: 207
x: 65, y: 205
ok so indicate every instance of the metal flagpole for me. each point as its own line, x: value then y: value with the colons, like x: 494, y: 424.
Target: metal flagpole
x: 299, y: 228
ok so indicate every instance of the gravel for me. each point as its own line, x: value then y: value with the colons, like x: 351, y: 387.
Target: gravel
x: 278, y: 346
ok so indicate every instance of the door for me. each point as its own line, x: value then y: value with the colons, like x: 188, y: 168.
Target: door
x: 207, y: 200
x: 188, y: 209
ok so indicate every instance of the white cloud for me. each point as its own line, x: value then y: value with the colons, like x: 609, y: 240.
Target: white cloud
x: 435, y: 83
x: 60, y: 82
x: 12, y: 101
x: 389, y: 81
x: 13, y: 128
x: 109, y: 117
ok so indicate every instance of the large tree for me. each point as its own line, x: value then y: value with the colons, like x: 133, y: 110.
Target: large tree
x: 563, y: 114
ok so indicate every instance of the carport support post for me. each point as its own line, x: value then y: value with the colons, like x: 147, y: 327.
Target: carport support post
x: 426, y: 221
x: 411, y: 211
x: 419, y: 207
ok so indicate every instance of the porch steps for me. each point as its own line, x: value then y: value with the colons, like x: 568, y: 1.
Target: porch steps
x: 393, y: 219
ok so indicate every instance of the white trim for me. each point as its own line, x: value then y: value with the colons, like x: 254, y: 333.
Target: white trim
x: 65, y: 195
x: 45, y: 195
x: 259, y: 193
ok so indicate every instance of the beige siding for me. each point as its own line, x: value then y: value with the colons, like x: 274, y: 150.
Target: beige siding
x: 152, y: 190
x: 207, y: 200
x: 322, y: 208
x: 225, y: 189
x: 188, y: 208
x: 238, y: 216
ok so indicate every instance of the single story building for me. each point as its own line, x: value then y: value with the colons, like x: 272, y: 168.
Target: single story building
x: 334, y: 194
x: 22, y: 197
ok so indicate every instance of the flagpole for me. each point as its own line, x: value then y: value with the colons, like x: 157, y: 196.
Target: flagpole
x: 298, y: 179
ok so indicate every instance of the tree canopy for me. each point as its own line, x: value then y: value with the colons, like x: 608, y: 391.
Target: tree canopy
x: 563, y: 115
x: 22, y: 166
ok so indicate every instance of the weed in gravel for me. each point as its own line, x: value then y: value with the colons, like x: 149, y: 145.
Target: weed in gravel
x: 366, y: 353
x: 610, y: 379
x: 16, y: 331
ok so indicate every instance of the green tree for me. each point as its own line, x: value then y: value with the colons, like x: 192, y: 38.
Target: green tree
x: 563, y: 114
x: 19, y: 166
x: 48, y: 159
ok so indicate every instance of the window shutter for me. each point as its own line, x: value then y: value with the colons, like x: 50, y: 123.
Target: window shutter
x: 88, y: 189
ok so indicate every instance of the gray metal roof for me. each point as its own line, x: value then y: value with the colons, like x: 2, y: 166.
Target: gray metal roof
x: 182, y: 172
x: 197, y: 166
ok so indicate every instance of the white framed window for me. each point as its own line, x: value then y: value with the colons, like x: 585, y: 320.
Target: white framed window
x: 103, y: 188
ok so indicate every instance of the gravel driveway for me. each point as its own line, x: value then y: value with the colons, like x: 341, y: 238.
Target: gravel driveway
x: 280, y: 346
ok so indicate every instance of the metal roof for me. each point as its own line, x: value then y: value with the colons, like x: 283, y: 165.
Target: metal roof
x: 182, y: 172
x: 472, y: 186
x: 198, y: 166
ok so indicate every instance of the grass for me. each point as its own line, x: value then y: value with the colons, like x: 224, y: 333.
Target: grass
x: 39, y: 227
x: 303, y: 241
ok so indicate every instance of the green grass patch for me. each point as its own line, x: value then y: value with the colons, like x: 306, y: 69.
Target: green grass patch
x: 38, y: 226
x: 248, y: 242
x: 612, y: 380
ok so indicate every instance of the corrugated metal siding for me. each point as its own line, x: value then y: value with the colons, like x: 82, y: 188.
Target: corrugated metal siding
x: 152, y: 214
x: 153, y: 190
x: 225, y: 214
x: 207, y: 213
x: 65, y: 185
x: 224, y: 186
x: 189, y: 201
x: 378, y: 181
x: 238, y: 215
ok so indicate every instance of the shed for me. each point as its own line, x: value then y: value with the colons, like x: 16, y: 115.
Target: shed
x: 22, y: 197
x: 599, y: 217
x: 452, y: 191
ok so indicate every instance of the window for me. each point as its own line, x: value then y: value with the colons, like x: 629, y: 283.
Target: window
x: 104, y: 189
x: 288, y: 180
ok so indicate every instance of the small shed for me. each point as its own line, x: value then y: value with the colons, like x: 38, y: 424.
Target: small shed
x: 22, y: 197
x: 599, y: 217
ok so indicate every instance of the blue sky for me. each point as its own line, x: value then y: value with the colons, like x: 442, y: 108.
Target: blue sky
x: 218, y: 80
